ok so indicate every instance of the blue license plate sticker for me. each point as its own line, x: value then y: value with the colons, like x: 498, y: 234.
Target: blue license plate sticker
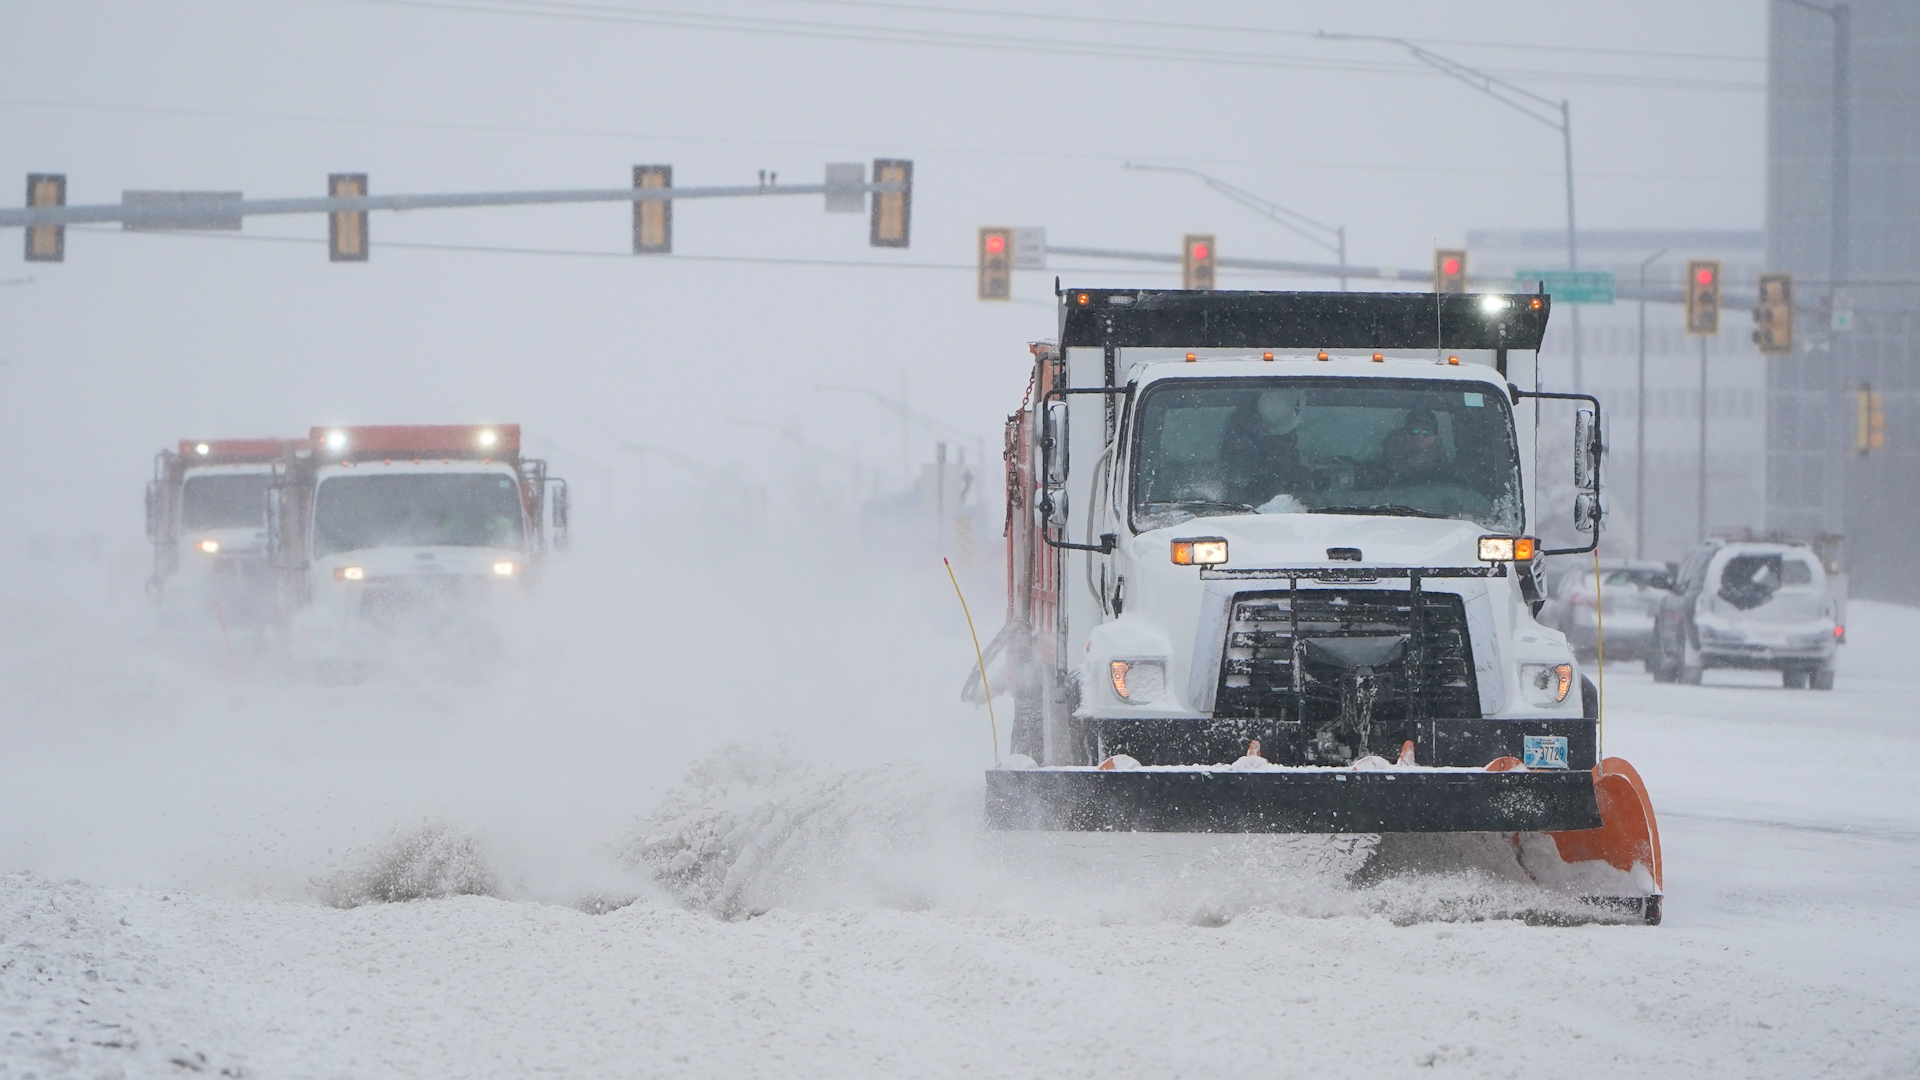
x: 1544, y: 751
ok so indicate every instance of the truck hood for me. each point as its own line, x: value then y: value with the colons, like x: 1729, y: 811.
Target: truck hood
x: 1262, y: 541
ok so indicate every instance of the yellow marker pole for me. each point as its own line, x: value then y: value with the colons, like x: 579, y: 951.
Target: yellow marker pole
x: 1599, y: 658
x: 993, y: 725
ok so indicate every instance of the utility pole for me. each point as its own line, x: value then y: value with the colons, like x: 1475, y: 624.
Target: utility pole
x: 1290, y: 220
x: 1539, y: 108
x: 1701, y: 495
x: 1640, y: 423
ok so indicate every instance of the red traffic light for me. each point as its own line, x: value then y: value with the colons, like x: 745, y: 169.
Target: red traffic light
x: 1704, y: 275
x: 996, y: 243
x: 1200, y: 250
x: 1450, y: 266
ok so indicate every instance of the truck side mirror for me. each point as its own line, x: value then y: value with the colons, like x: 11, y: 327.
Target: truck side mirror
x: 153, y: 511
x: 1586, y: 450
x: 274, y: 512
x: 1586, y: 511
x: 1056, y: 507
x: 561, y: 506
x: 1053, y: 444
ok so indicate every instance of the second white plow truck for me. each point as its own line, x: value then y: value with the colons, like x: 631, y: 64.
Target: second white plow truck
x: 407, y: 537
x: 1273, y: 568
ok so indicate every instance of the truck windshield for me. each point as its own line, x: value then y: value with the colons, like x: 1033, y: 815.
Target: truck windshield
x: 416, y: 510
x: 1404, y: 447
x: 224, y: 501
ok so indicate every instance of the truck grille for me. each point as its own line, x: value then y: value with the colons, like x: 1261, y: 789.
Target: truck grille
x: 1265, y: 672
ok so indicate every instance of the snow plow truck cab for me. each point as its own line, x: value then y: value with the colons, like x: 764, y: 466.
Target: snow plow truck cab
x: 207, y: 522
x: 379, y: 529
x: 1272, y: 569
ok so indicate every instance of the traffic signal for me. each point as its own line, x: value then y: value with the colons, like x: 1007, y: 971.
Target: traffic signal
x: 1197, y: 259
x: 346, y: 229
x: 1703, y: 297
x: 892, y: 210
x: 996, y: 264
x: 653, y: 219
x: 1450, y: 270
x: 1870, y: 422
x: 46, y: 243
x: 1773, y: 316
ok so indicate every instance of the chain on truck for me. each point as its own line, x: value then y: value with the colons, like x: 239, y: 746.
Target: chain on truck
x: 375, y: 528
x: 1271, y: 569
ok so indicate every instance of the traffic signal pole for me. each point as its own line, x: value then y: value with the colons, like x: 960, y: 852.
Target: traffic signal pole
x: 161, y: 215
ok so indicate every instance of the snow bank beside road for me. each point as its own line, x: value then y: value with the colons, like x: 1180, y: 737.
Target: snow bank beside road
x: 104, y: 981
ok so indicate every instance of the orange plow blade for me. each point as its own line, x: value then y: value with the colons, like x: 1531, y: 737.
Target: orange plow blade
x: 1628, y: 839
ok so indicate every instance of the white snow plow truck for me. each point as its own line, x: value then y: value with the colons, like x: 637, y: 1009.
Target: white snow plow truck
x: 387, y: 532
x: 207, y: 522
x: 1271, y: 569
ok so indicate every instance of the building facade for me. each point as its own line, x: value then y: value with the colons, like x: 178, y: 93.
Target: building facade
x: 1854, y: 251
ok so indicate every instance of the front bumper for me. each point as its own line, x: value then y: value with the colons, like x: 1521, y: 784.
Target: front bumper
x: 1199, y: 800
x: 1469, y: 742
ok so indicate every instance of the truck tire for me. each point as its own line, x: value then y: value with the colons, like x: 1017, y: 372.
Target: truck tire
x: 1822, y: 677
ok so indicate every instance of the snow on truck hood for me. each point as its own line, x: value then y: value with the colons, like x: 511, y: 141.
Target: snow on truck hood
x: 1258, y: 541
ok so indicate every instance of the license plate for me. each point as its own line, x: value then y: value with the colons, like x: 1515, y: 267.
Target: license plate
x: 1544, y: 751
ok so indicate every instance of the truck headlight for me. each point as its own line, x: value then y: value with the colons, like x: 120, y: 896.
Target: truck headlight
x: 504, y: 569
x: 1507, y: 548
x: 1200, y: 551
x: 211, y: 547
x: 1138, y: 681
x: 1546, y: 684
x: 350, y: 573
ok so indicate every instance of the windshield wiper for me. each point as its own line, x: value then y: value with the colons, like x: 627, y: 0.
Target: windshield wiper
x: 1391, y: 509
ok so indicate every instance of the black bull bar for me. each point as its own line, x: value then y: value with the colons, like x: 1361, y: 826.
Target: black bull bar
x: 1289, y: 801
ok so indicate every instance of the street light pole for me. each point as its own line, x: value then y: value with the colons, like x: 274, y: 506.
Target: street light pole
x: 1640, y: 424
x: 1839, y: 252
x: 1555, y: 114
x: 1291, y: 220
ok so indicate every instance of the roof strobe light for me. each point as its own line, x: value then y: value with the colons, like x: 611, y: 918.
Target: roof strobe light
x: 488, y: 437
x: 1494, y: 303
x: 203, y: 449
x: 336, y: 440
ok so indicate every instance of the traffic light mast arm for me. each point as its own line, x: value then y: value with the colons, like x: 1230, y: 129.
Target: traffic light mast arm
x: 159, y: 215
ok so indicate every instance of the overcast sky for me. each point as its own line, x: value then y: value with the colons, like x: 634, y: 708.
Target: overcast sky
x: 138, y: 340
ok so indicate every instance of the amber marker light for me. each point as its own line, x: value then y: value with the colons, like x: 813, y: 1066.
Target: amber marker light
x: 1454, y: 360
x: 1200, y: 551
x: 1322, y: 356
x: 1507, y: 548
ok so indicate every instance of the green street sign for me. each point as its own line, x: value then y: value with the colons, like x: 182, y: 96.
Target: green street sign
x: 1569, y: 286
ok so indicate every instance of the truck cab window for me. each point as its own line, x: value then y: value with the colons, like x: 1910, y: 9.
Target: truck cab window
x: 229, y: 501
x: 416, y: 510
x: 1415, y: 448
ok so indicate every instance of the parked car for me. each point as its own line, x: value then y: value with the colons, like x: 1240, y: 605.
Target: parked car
x: 1749, y: 605
x: 1619, y: 600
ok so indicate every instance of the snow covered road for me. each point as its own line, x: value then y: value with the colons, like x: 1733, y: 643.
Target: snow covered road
x: 875, y: 932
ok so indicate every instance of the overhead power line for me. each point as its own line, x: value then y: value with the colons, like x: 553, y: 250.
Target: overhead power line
x: 894, y: 35
x: 915, y: 148
x: 1216, y: 28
